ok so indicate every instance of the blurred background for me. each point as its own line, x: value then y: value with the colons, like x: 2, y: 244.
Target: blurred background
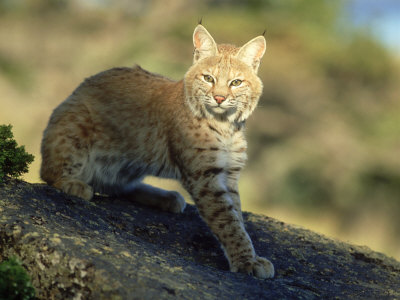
x: 324, y: 143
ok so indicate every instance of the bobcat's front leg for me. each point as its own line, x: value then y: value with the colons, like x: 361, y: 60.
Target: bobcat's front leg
x: 222, y: 214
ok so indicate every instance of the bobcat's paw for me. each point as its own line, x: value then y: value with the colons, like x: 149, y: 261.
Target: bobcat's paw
x: 258, y: 266
x: 75, y: 188
x: 173, y: 202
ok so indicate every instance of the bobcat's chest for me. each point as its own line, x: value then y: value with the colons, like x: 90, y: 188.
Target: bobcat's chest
x: 222, y: 145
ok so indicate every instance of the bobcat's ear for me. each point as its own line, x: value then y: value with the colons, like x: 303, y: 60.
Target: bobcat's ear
x: 204, y: 44
x: 252, y: 52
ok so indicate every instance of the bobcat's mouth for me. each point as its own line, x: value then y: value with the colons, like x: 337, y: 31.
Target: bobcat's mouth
x: 219, y: 110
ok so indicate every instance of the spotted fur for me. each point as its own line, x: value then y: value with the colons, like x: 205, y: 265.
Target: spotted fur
x: 125, y: 123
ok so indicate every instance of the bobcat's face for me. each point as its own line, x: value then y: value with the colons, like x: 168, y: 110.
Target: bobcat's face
x: 222, y: 87
x: 222, y: 82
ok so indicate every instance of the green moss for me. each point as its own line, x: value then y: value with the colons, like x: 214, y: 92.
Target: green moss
x: 14, y: 281
x: 14, y: 160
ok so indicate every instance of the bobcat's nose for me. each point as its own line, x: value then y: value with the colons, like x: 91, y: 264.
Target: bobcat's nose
x: 219, y: 99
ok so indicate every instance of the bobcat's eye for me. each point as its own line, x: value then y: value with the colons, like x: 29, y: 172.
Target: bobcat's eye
x: 236, y: 82
x: 208, y: 78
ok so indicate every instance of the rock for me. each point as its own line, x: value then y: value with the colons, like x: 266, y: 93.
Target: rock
x: 113, y: 249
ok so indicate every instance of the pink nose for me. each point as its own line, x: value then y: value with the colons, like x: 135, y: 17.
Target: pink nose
x: 219, y: 99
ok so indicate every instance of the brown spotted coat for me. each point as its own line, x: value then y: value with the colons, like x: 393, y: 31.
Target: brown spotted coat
x: 125, y: 123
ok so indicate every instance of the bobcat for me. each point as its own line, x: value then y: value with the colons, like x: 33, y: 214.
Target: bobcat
x: 125, y: 123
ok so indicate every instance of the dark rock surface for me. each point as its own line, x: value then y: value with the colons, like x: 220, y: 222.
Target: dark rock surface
x: 113, y: 249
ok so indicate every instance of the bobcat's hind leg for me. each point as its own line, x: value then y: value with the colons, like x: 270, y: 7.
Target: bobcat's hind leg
x: 65, y: 149
x: 155, y: 197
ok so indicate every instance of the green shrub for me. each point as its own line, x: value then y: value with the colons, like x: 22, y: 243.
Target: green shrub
x: 14, y: 281
x: 14, y: 160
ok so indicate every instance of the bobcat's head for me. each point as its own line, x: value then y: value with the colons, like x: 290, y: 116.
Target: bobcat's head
x: 222, y: 83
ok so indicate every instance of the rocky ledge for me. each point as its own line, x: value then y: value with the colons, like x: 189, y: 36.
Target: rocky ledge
x: 114, y: 249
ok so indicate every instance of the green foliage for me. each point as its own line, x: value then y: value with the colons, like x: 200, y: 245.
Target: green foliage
x: 381, y: 184
x: 304, y: 185
x: 14, y: 160
x: 356, y: 63
x: 14, y: 281
x: 34, y: 6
